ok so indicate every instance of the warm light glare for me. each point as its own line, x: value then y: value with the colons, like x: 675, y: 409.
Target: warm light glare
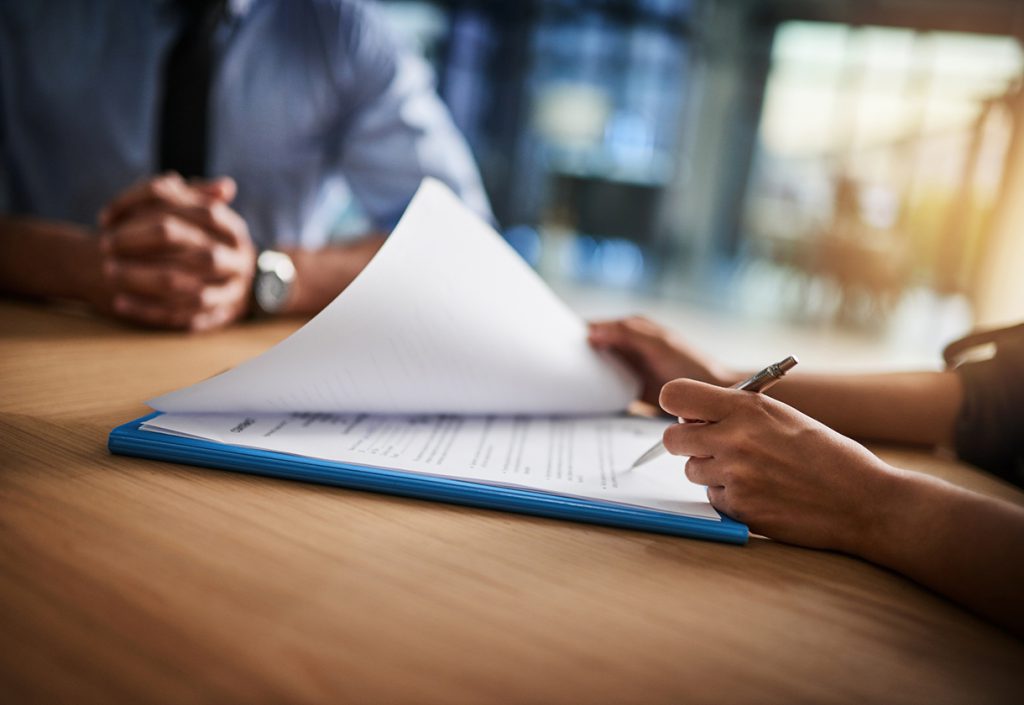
x: 833, y: 87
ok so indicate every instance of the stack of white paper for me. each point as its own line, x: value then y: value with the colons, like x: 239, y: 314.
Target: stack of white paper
x: 447, y: 355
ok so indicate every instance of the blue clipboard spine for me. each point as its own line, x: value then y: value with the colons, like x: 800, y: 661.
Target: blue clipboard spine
x: 129, y: 439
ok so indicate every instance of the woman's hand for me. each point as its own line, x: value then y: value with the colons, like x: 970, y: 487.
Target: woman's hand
x: 780, y: 472
x: 655, y: 354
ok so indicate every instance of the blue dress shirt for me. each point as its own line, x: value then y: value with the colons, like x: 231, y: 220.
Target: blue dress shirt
x: 306, y: 94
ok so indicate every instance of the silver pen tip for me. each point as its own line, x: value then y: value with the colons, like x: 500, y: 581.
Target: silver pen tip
x: 788, y: 364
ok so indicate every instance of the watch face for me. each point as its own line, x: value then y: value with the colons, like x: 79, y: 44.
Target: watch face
x: 270, y: 292
x: 275, y: 273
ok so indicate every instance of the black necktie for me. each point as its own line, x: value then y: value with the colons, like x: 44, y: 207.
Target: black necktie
x: 187, y: 76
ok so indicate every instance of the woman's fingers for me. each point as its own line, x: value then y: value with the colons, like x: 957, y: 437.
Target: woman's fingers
x: 719, y: 498
x: 693, y: 438
x: 636, y: 334
x: 689, y: 399
x: 710, y: 472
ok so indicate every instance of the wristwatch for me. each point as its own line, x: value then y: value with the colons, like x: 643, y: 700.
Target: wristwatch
x: 273, y: 281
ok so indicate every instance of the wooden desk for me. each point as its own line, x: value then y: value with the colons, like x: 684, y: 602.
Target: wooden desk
x: 126, y: 580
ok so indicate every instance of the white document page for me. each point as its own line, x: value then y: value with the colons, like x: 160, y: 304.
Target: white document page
x: 581, y: 457
x: 446, y: 318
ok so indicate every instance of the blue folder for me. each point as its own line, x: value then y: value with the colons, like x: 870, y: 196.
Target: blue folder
x: 130, y: 439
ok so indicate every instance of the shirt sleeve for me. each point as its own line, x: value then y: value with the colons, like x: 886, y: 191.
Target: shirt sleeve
x: 396, y: 129
x: 990, y: 427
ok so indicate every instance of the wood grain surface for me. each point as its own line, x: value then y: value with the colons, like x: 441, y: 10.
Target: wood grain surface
x: 125, y: 580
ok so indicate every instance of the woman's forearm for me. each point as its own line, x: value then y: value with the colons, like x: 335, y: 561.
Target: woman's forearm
x: 959, y: 543
x: 912, y: 407
x: 909, y: 407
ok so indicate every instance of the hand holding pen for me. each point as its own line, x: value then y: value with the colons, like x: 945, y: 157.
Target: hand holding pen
x: 759, y: 382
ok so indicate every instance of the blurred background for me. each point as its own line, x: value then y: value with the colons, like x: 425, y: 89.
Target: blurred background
x: 847, y: 171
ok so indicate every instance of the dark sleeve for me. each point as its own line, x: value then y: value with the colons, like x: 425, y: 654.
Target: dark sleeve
x: 990, y: 426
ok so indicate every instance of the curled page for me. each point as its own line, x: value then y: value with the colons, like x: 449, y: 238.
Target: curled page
x: 446, y: 318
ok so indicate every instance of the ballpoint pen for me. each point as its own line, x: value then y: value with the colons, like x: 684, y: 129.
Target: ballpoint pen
x: 759, y: 382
